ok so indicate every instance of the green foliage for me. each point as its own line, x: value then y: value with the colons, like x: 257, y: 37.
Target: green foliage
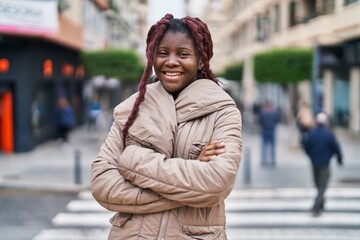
x: 233, y: 72
x: 121, y: 64
x: 63, y: 5
x: 113, y: 6
x: 288, y: 65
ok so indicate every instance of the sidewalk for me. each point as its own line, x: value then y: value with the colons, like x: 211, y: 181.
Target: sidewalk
x: 51, y: 166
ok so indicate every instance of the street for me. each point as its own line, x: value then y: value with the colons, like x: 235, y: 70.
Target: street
x: 252, y: 214
x: 41, y: 202
x: 26, y: 212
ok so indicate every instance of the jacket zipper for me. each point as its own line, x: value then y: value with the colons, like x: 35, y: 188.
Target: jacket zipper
x: 163, y: 226
x: 165, y: 217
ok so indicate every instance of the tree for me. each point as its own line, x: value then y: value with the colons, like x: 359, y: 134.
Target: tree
x: 123, y: 65
x: 233, y: 72
x: 288, y: 65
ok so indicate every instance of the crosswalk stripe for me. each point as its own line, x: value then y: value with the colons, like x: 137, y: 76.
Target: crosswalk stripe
x: 293, y: 234
x: 84, y: 205
x: 85, y: 195
x: 274, y: 193
x: 100, y: 219
x: 289, y: 205
x: 265, y: 219
x: 293, y: 193
x: 73, y: 234
x: 233, y: 219
x: 242, y: 205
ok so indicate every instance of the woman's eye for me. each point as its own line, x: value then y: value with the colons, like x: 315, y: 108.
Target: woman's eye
x: 183, y: 54
x: 162, y: 53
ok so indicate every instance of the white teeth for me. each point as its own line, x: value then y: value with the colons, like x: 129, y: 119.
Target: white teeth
x: 172, y: 74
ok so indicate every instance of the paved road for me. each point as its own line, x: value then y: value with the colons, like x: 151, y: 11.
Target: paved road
x: 252, y: 214
x: 23, y: 213
x: 51, y: 167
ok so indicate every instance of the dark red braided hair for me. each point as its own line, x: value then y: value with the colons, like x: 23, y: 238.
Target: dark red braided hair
x: 195, y: 29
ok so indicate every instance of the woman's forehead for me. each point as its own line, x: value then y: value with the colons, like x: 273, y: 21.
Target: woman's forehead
x: 176, y: 38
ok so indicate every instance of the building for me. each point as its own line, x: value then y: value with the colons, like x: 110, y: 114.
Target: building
x: 126, y: 22
x: 331, y: 28
x: 40, y: 45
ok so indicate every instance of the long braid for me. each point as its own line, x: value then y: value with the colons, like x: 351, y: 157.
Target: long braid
x: 154, y: 35
x: 204, y: 44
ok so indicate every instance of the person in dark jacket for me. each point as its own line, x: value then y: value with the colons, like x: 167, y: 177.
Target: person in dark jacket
x: 321, y: 145
x: 64, y: 118
x: 268, y: 120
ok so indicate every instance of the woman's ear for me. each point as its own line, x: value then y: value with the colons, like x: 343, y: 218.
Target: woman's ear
x: 200, y: 65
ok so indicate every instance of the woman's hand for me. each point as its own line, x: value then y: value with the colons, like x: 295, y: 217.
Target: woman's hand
x: 211, y: 150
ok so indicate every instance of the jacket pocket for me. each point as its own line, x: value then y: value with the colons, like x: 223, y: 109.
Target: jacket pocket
x: 195, y: 149
x: 205, y: 232
x: 119, y: 219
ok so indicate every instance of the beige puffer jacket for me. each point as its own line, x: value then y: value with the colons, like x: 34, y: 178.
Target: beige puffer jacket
x: 157, y: 187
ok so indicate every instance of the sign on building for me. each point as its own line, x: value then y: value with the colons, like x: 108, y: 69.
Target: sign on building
x: 34, y: 17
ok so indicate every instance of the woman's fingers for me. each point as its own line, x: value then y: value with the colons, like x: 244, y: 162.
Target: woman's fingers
x: 211, y: 150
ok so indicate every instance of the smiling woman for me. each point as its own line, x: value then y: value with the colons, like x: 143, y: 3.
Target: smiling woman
x: 173, y: 151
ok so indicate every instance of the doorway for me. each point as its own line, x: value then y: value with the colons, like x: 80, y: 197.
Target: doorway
x: 6, y: 122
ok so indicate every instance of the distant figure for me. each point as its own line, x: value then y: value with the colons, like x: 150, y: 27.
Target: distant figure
x: 64, y: 118
x: 93, y: 114
x: 268, y: 120
x: 321, y: 145
x: 304, y: 119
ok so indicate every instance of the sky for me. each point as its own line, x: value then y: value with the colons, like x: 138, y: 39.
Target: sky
x: 158, y: 9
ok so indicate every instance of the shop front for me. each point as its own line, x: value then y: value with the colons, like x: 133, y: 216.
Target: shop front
x: 341, y: 66
x: 34, y: 73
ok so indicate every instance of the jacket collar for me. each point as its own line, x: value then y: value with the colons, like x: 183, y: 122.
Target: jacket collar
x: 200, y: 98
x: 159, y: 115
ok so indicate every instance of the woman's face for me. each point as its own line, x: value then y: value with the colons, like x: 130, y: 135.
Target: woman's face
x: 176, y: 61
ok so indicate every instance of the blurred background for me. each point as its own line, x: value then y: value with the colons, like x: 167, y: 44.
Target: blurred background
x: 92, y: 53
x: 283, y: 51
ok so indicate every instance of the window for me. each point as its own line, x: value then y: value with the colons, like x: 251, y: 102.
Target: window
x: 293, y: 11
x: 276, y: 18
x: 347, y: 2
x: 328, y: 7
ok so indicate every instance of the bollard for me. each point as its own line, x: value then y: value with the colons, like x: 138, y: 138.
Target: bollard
x: 247, y: 166
x: 77, y: 166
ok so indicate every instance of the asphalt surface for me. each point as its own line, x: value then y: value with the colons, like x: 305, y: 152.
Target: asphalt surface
x: 35, y: 186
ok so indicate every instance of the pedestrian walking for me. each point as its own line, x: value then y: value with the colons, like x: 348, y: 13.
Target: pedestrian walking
x: 321, y: 145
x: 173, y: 151
x: 64, y: 118
x: 268, y: 121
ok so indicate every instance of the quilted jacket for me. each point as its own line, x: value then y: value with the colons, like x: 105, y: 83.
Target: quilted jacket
x: 155, y: 184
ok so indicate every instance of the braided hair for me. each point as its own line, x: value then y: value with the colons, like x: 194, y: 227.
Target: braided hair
x: 197, y: 30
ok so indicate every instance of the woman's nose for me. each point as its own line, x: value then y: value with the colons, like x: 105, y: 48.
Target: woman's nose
x: 172, y: 60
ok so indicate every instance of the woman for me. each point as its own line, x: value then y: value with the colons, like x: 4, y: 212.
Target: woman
x: 173, y: 151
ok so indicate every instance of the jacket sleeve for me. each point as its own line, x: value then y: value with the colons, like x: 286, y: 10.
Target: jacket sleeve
x: 335, y: 146
x: 190, y: 182
x: 113, y: 191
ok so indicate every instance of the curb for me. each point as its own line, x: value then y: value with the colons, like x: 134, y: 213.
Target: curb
x: 40, y: 186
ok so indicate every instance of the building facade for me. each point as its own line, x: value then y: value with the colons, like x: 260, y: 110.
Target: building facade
x: 330, y: 28
x: 39, y: 63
